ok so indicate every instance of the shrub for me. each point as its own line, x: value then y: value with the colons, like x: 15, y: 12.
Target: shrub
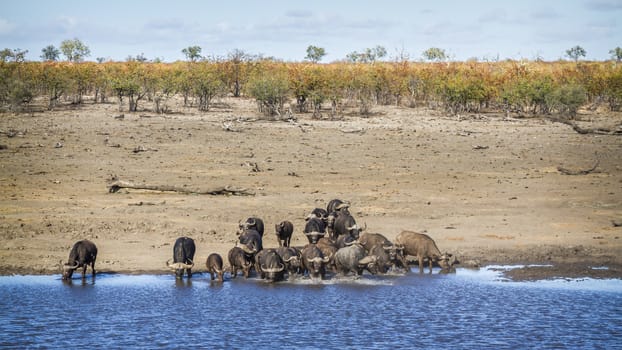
x: 567, y: 99
x: 613, y: 91
x: 271, y: 90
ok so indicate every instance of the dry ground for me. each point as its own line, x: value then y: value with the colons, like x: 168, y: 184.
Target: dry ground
x: 485, y: 187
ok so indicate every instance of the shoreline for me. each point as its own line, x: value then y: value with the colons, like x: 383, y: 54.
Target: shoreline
x: 600, y: 267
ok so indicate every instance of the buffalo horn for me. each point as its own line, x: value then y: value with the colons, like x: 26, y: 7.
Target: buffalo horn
x: 179, y: 265
x: 368, y: 259
x: 291, y: 258
x: 273, y: 269
x: 67, y: 267
x: 247, y: 250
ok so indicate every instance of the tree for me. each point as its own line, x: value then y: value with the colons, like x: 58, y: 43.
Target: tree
x: 576, y: 52
x: 16, y: 55
x: 434, y: 54
x: 74, y: 50
x: 370, y: 55
x: 616, y: 54
x: 235, y: 76
x: 193, y: 53
x: 315, y: 54
x: 50, y: 53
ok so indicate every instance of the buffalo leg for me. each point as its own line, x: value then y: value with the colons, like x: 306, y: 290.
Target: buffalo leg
x: 84, y: 270
x: 431, y: 263
x: 420, y: 264
x: 188, y: 272
x: 93, y: 268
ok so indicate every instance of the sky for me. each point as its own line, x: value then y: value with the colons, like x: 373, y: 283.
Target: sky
x: 482, y: 29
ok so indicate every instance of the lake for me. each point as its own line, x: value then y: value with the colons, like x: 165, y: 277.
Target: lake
x: 468, y: 309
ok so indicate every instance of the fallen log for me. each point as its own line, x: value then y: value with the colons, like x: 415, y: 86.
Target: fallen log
x: 115, y: 186
x: 578, y: 172
x: 584, y: 131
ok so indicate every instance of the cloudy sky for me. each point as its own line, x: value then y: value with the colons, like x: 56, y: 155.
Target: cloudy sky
x: 483, y: 29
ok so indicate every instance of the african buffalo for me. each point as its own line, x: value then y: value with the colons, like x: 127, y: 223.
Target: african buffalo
x: 389, y: 255
x: 291, y: 259
x: 269, y: 265
x: 423, y: 247
x: 183, y: 255
x: 368, y: 240
x: 284, y: 231
x: 314, y: 229
x: 251, y: 242
x: 318, y: 213
x: 333, y: 204
x: 352, y: 258
x: 333, y: 209
x: 346, y: 225
x: 328, y: 248
x: 388, y: 258
x: 214, y: 266
x: 314, y: 261
x: 82, y: 254
x: 238, y: 260
x: 254, y: 223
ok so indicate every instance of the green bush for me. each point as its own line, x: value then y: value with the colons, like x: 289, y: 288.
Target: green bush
x: 567, y: 99
x: 271, y: 92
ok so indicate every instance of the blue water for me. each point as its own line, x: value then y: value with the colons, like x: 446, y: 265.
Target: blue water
x: 466, y: 310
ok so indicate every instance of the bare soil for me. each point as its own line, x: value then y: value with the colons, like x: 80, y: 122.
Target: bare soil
x: 485, y: 187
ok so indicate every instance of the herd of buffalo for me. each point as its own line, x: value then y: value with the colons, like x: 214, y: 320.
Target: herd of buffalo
x: 336, y: 244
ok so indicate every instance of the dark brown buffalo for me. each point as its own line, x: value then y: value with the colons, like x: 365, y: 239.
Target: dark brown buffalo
x: 269, y: 265
x: 251, y: 242
x: 82, y: 254
x: 389, y: 255
x: 328, y: 248
x: 423, y: 247
x: 333, y: 204
x: 214, y: 266
x: 368, y: 240
x: 183, y: 256
x: 238, y: 260
x: 346, y: 225
x: 313, y: 261
x: 254, y: 223
x: 314, y: 229
x: 292, y: 260
x: 284, y: 231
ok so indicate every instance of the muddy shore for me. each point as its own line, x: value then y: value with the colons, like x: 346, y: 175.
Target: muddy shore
x: 487, y: 188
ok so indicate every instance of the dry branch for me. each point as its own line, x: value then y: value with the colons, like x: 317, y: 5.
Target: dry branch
x: 222, y: 190
x: 578, y: 172
x: 599, y: 131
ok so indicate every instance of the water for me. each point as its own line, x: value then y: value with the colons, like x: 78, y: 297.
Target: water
x: 465, y: 310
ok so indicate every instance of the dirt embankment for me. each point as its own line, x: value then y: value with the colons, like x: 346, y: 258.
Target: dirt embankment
x: 487, y: 188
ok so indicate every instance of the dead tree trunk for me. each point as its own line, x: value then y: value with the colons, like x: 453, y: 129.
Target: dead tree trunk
x: 115, y: 186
